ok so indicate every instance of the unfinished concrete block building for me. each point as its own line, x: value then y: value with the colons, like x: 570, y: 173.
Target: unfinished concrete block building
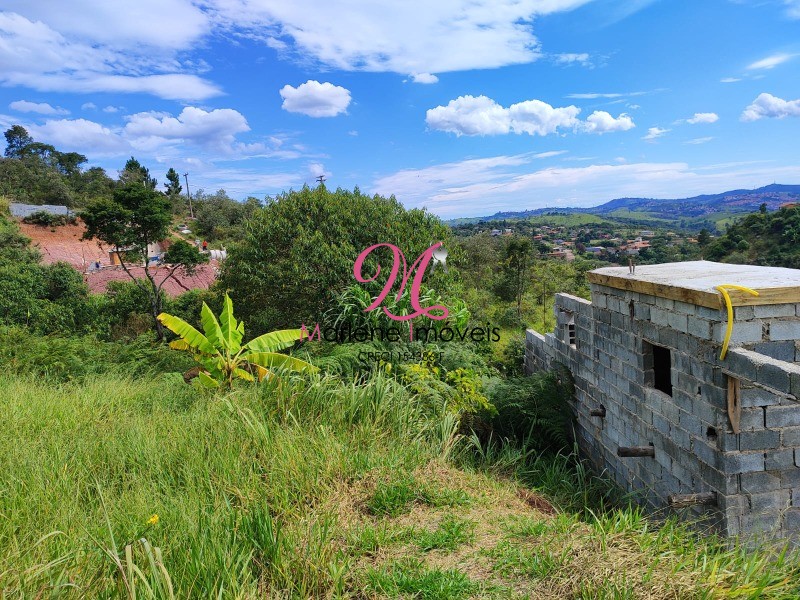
x: 658, y: 408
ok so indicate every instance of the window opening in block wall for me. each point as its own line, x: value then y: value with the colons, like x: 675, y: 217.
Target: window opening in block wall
x: 571, y: 332
x: 658, y: 367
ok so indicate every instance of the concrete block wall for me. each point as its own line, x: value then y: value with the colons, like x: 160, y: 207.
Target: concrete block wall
x: 756, y: 472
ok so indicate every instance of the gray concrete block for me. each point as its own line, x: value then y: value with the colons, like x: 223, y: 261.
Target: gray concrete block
x: 791, y: 519
x: 698, y: 327
x: 782, y: 416
x: 756, y: 483
x: 774, y: 501
x: 779, y: 460
x: 755, y: 523
x: 743, y: 362
x: 742, y: 462
x: 752, y: 419
x: 745, y: 332
x: 743, y: 313
x: 660, y: 316
x: 790, y: 478
x: 755, y: 396
x: 790, y: 436
x: 767, y: 311
x: 765, y: 439
x: 784, y: 330
x: 784, y: 351
x: 774, y: 373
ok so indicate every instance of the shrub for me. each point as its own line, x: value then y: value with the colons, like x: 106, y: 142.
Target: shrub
x: 533, y: 410
x: 47, y: 219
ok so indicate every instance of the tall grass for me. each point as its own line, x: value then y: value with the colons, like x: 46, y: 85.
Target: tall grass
x: 239, y: 484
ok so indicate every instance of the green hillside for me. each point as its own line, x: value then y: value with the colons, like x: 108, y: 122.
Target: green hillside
x: 762, y: 238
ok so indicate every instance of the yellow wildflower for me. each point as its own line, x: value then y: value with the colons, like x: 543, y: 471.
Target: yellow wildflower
x: 153, y: 520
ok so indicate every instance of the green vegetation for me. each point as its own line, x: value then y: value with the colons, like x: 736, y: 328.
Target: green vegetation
x: 296, y: 254
x: 399, y: 468
x: 131, y: 222
x: 222, y: 356
x: 314, y: 488
x: 762, y: 238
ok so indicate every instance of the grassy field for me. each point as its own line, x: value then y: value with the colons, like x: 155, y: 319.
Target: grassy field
x: 143, y: 488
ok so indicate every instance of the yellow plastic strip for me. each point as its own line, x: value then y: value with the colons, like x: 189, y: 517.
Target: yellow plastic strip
x: 723, y: 289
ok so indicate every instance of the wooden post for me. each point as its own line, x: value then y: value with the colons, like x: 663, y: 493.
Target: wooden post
x: 598, y: 412
x: 683, y: 500
x: 636, y: 451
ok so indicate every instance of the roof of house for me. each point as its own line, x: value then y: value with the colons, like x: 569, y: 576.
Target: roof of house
x: 695, y: 282
x: 21, y: 211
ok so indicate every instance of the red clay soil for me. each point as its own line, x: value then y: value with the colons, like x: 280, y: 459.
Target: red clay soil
x: 64, y: 244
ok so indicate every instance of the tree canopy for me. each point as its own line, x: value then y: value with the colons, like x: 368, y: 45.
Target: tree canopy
x: 297, y: 253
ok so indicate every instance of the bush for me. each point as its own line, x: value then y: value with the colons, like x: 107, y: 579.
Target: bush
x: 46, y: 219
x: 533, y: 411
x: 61, y: 358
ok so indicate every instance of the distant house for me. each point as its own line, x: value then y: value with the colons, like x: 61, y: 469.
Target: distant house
x: 508, y: 231
x: 595, y: 250
x: 647, y: 233
x: 20, y: 211
x: 495, y: 232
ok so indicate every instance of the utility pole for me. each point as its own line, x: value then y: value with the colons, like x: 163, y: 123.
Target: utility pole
x: 191, y: 210
x: 320, y: 179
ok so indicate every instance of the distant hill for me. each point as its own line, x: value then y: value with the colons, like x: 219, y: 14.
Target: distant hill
x: 709, y: 210
x: 770, y: 238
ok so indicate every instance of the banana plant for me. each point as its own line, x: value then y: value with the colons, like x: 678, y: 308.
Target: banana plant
x: 219, y: 351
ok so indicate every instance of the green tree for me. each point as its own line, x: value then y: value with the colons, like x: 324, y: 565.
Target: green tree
x: 17, y: 139
x: 173, y: 190
x: 296, y: 255
x: 703, y: 238
x: 132, y: 220
x: 135, y: 172
x: 514, y: 276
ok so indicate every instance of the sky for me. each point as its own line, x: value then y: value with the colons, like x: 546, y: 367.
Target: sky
x: 463, y: 107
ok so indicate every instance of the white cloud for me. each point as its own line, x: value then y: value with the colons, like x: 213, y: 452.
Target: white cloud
x: 730, y: 79
x: 88, y: 106
x: 42, y: 108
x: 80, y: 135
x: 483, y: 186
x: 214, y: 129
x: 471, y: 115
x: 703, y: 118
x: 316, y: 169
x: 424, y: 78
x: 536, y: 117
x: 172, y: 24
x: 315, y: 99
x: 771, y: 107
x: 35, y: 55
x: 570, y: 58
x: 415, y: 36
x: 112, y: 109
x: 595, y: 95
x: 770, y: 62
x: 700, y: 140
x: 353, y: 132
x: 654, y: 133
x: 792, y: 8
x: 601, y: 122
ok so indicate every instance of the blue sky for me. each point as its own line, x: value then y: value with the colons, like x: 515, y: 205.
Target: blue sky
x: 465, y: 108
